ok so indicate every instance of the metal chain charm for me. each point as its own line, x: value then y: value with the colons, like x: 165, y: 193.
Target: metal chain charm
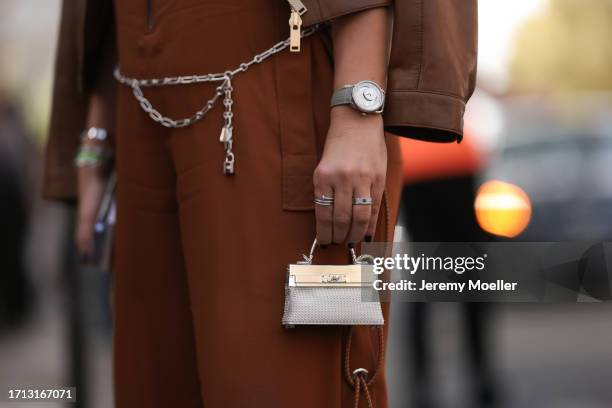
x: 227, y: 133
x: 225, y: 89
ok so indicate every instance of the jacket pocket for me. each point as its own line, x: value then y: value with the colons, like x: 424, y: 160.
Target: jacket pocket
x: 298, y: 189
x: 296, y: 126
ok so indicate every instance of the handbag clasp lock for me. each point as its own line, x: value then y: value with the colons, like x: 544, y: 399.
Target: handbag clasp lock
x: 305, y: 274
x: 333, y: 278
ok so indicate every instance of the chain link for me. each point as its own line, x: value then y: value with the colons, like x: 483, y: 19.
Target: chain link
x: 227, y: 133
x: 225, y: 78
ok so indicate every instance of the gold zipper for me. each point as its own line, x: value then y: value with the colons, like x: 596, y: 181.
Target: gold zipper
x: 295, y: 24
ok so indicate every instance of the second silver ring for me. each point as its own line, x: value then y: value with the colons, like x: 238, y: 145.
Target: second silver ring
x: 362, y: 200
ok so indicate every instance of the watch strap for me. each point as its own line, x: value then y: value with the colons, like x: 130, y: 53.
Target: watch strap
x: 343, y: 96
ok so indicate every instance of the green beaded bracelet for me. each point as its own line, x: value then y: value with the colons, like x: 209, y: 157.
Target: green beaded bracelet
x: 91, y: 156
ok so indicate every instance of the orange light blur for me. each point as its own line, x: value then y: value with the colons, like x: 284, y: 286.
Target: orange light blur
x: 502, y: 209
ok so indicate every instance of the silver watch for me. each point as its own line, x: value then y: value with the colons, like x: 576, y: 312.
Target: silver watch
x: 365, y: 96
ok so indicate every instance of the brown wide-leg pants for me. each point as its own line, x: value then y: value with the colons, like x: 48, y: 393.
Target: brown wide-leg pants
x: 200, y: 257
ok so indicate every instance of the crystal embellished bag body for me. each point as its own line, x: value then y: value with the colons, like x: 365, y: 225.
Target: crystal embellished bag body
x: 331, y: 294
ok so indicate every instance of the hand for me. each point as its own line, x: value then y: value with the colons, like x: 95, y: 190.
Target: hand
x: 92, y: 180
x: 92, y: 183
x: 354, y: 164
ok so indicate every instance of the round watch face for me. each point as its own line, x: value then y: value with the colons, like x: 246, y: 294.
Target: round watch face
x: 368, y: 97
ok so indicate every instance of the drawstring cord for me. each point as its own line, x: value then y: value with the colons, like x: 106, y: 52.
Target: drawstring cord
x: 358, y: 379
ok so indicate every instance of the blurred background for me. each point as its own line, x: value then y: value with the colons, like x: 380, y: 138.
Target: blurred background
x: 535, y: 165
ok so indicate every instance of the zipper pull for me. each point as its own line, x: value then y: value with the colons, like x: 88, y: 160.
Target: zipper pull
x: 295, y: 24
x: 295, y: 30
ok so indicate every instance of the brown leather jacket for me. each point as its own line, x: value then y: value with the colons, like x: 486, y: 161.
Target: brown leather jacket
x: 431, y: 75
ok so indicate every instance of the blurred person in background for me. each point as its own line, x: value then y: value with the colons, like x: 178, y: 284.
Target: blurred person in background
x: 200, y: 251
x: 16, y: 158
x: 438, y: 206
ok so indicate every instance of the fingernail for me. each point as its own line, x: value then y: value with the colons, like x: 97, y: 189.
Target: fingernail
x: 368, y: 238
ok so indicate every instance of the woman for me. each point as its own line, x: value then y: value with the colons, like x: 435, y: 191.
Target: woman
x: 205, y: 229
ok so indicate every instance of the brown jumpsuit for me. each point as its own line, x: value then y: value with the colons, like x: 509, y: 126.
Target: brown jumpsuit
x: 200, y: 257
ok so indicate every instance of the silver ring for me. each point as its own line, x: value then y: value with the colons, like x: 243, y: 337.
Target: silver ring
x: 362, y: 200
x: 320, y: 202
x: 324, y: 201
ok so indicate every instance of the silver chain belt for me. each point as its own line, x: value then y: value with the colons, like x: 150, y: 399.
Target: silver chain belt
x: 225, y: 89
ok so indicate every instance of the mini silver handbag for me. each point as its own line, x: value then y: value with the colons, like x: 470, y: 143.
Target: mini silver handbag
x: 331, y: 294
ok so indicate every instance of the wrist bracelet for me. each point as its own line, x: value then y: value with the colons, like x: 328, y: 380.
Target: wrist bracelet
x: 94, y: 133
x: 91, y: 156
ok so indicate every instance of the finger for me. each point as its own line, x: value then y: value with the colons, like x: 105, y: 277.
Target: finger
x: 324, y: 217
x: 84, y: 254
x: 84, y: 233
x: 361, y: 215
x: 342, y: 213
x: 377, y: 196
